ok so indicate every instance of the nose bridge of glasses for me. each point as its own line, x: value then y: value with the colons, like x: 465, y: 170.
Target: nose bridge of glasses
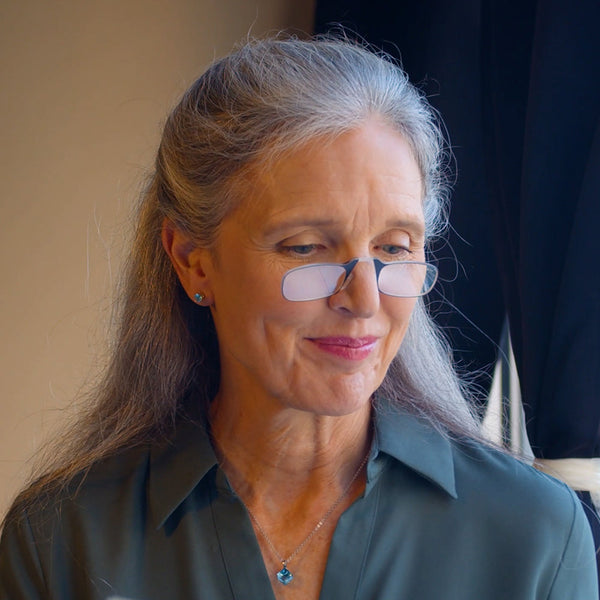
x: 350, y: 266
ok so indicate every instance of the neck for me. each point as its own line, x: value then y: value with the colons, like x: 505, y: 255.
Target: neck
x: 296, y: 472
x: 266, y: 454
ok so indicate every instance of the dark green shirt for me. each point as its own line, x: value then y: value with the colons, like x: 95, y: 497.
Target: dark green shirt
x: 439, y: 520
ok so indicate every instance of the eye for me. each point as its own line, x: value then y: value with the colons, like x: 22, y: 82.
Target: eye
x: 300, y: 249
x: 395, y: 250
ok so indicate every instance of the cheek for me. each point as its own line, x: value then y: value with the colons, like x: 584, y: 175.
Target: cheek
x: 286, y: 323
x: 257, y: 318
x: 400, y: 312
x: 239, y: 288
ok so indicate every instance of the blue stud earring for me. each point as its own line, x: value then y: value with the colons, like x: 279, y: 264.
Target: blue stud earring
x: 198, y: 298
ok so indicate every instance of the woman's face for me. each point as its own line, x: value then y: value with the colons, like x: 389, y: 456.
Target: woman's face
x: 358, y: 195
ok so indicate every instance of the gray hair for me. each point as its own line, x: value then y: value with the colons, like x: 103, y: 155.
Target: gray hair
x: 270, y: 96
x: 243, y: 113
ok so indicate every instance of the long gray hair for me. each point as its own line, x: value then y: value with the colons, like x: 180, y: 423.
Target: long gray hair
x: 244, y: 112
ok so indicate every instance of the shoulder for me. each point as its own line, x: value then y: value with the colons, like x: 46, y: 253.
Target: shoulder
x: 104, y: 520
x: 471, y: 471
x: 118, y: 492
x: 505, y: 480
x: 120, y: 480
x: 536, y: 515
x: 41, y: 537
x: 89, y: 492
x: 527, y: 508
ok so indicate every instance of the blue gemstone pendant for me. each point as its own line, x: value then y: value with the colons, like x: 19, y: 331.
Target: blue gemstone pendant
x: 284, y: 576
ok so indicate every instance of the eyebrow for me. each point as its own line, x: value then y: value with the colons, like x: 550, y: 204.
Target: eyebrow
x: 280, y: 226
x: 414, y: 224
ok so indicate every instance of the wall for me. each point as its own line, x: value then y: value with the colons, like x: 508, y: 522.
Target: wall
x: 85, y: 87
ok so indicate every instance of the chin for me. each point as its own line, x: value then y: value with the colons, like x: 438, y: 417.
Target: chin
x: 339, y: 403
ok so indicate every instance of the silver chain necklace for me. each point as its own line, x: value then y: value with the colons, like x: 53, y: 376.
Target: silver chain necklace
x: 284, y: 575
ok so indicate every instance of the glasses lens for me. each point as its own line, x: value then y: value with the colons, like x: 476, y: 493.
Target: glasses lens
x: 312, y: 282
x: 407, y: 279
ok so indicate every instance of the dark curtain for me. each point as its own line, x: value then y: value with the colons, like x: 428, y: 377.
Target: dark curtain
x: 518, y: 86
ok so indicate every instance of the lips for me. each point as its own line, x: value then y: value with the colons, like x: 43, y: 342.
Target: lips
x: 349, y: 348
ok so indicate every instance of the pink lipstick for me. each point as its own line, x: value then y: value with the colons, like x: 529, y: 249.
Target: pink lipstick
x: 347, y: 347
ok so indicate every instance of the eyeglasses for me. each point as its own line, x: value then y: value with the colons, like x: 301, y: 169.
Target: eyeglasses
x: 401, y: 279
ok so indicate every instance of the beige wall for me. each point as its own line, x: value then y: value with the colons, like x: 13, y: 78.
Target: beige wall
x: 85, y: 87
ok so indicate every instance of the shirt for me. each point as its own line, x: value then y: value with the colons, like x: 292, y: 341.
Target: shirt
x: 438, y: 520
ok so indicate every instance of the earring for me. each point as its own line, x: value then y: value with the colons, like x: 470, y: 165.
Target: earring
x: 198, y: 298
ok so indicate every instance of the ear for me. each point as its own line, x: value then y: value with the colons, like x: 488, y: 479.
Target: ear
x: 189, y: 261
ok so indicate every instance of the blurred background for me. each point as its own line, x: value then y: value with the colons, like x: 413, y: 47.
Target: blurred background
x: 85, y: 89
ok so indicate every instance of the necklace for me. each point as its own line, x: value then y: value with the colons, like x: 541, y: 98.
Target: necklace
x: 284, y: 575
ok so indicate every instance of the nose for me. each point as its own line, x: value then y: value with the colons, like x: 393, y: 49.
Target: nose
x: 359, y: 295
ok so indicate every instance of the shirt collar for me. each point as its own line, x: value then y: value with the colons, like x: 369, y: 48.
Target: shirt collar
x: 415, y: 443
x: 177, y: 467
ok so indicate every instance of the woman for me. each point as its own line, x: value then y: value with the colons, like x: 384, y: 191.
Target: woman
x: 280, y: 419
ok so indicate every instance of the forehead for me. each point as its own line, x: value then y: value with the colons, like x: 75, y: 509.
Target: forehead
x: 364, y: 173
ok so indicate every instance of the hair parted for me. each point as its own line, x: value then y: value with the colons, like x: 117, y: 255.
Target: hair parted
x: 249, y: 108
